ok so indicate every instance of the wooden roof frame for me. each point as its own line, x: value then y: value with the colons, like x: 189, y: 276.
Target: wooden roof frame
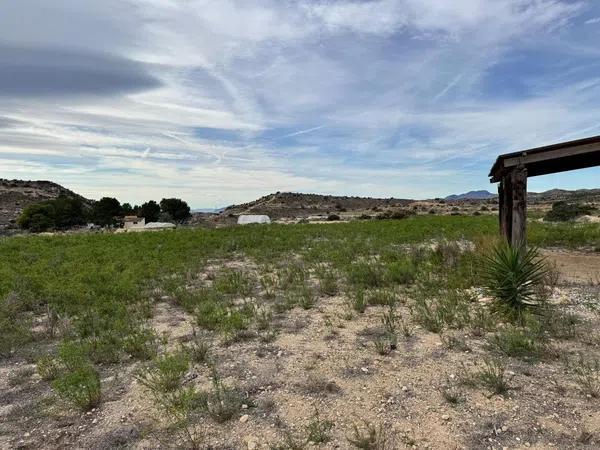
x: 554, y: 158
x: 513, y: 169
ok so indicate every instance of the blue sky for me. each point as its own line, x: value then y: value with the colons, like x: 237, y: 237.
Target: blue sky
x: 222, y: 101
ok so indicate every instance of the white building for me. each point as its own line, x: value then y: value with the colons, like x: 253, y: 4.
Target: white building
x: 133, y: 222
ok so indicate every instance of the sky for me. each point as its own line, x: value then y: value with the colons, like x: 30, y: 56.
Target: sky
x: 222, y: 101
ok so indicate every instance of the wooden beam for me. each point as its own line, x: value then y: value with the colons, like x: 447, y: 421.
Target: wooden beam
x: 505, y: 207
x: 528, y: 158
x: 519, y: 206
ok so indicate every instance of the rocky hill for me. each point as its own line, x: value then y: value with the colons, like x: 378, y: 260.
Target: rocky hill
x: 290, y: 204
x: 17, y: 194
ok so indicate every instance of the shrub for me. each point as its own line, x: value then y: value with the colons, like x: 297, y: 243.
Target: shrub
x: 48, y: 368
x: 587, y: 376
x: 370, y: 437
x: 512, y: 276
x: 366, y: 274
x: 141, y: 343
x: 80, y: 386
x: 333, y: 217
x: 401, y: 272
x: 395, y: 215
x: 563, y: 211
x: 358, y: 301
x: 318, y: 430
x: 165, y: 374
x: 491, y: 376
x: 328, y: 283
x: 221, y: 403
x: 517, y: 342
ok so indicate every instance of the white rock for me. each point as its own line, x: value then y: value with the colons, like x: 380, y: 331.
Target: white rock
x: 244, y: 418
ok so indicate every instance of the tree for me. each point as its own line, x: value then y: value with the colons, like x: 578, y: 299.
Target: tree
x: 37, y: 217
x: 176, y: 208
x: 60, y: 213
x: 105, y: 211
x: 150, y: 211
x: 68, y: 212
x: 127, y: 209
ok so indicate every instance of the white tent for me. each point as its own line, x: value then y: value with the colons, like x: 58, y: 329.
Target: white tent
x: 158, y: 225
x: 246, y: 219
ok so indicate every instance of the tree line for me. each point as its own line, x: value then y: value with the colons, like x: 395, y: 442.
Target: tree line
x: 65, y: 212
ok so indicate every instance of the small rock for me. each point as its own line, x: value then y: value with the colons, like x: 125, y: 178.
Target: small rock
x: 244, y: 418
x: 364, y: 369
x: 445, y: 417
x: 404, y: 388
x: 244, y: 406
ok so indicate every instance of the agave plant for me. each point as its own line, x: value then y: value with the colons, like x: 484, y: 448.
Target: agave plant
x: 512, y: 277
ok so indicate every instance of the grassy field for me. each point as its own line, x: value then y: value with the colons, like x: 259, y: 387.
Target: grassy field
x: 81, y: 306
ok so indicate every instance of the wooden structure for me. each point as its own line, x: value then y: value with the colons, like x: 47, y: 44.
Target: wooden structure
x: 513, y: 169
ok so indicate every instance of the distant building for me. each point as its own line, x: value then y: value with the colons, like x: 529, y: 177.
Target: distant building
x: 133, y: 222
x: 246, y: 219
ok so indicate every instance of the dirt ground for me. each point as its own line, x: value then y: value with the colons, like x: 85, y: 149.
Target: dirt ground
x: 322, y: 361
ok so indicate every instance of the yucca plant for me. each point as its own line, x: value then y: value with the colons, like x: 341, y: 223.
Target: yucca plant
x: 512, y: 276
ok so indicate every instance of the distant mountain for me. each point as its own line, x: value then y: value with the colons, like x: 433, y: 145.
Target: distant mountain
x: 471, y: 195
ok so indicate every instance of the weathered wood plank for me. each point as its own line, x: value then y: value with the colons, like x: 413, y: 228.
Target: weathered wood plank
x: 519, y: 206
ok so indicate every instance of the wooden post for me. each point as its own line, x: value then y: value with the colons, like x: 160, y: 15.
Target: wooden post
x: 519, y: 206
x: 505, y: 198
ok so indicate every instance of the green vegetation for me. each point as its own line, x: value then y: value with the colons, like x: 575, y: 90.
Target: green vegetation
x: 91, y: 298
x: 65, y: 212
x: 512, y: 276
x: 61, y: 213
x: 563, y: 211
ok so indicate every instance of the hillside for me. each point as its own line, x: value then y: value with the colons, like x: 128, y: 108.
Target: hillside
x: 17, y: 194
x: 290, y: 204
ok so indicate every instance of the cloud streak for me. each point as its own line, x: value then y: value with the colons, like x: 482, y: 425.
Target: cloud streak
x: 225, y: 101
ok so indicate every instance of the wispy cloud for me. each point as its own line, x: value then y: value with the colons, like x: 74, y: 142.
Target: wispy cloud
x: 222, y: 101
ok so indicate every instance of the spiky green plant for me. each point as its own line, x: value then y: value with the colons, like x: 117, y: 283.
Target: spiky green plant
x: 512, y: 276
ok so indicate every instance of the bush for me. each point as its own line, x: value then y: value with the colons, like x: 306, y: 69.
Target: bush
x: 395, y: 215
x: 512, y: 277
x: 80, y: 386
x: 563, y: 211
x: 333, y: 217
x: 165, y: 374
x: 366, y: 274
x: 516, y: 342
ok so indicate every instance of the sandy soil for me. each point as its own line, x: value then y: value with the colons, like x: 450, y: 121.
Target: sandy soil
x: 322, y: 361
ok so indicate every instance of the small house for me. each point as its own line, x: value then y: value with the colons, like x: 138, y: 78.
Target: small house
x: 133, y: 222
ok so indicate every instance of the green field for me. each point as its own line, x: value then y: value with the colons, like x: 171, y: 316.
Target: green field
x: 86, y: 268
x: 74, y: 304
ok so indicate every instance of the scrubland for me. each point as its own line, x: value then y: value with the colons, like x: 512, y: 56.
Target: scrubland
x: 415, y: 333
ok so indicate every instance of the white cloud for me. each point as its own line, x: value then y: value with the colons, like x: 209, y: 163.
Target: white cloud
x: 364, y: 97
